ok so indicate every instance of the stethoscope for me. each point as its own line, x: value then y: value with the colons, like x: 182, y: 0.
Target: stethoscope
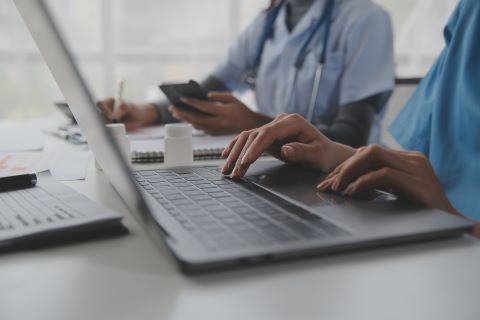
x: 326, y: 18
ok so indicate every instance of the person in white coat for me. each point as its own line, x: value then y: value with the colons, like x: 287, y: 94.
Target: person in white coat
x: 330, y: 61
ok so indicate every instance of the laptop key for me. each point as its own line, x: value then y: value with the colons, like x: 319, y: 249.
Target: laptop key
x: 221, y: 213
x: 224, y: 214
x: 203, y: 220
x: 262, y: 222
x: 147, y: 173
x: 232, y: 220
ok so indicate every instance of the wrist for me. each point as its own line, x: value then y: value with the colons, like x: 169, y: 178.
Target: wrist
x: 336, y: 153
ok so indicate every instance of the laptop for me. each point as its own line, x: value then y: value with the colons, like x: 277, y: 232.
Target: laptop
x: 209, y: 221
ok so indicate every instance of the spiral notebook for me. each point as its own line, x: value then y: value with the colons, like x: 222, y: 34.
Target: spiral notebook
x: 158, y: 156
x: 205, y: 148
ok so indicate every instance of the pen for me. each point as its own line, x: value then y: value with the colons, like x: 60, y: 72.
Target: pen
x: 22, y: 181
x: 64, y: 134
x: 118, y: 98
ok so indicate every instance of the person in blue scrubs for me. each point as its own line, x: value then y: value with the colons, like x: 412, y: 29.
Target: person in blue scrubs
x: 278, y: 59
x: 440, y: 124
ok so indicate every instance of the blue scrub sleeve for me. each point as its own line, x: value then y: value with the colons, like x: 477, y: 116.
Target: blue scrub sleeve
x: 442, y: 118
x: 369, y: 65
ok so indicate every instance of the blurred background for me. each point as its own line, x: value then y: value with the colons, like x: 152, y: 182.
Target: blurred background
x: 150, y: 41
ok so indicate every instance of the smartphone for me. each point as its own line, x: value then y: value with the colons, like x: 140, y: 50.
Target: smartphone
x: 191, y: 89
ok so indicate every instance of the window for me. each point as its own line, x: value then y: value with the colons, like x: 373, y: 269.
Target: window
x: 113, y: 39
x: 418, y: 26
x: 147, y: 41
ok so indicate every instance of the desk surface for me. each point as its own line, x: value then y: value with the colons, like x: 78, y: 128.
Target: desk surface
x: 131, y: 278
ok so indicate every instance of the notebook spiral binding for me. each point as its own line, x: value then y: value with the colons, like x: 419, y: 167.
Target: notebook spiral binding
x: 158, y: 156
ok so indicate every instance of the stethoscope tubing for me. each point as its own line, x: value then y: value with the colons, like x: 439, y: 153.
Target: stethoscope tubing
x: 326, y: 18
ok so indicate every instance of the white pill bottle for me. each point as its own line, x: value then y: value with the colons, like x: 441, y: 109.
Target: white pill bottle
x: 119, y: 135
x: 178, y: 145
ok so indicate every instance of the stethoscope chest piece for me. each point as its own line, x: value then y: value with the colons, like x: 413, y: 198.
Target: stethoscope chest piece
x: 250, y: 78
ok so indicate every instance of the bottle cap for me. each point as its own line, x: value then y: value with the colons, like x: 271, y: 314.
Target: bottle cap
x: 178, y: 130
x: 117, y: 129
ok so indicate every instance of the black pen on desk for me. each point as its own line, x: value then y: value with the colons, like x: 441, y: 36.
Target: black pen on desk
x: 22, y: 181
x: 59, y: 133
x: 62, y: 133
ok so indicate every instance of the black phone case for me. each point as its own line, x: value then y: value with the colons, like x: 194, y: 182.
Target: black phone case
x: 191, y: 89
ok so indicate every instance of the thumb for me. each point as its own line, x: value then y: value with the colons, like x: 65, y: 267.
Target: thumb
x: 300, y: 153
x: 222, y: 96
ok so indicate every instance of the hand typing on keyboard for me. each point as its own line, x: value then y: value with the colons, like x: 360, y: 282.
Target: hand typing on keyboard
x: 290, y: 138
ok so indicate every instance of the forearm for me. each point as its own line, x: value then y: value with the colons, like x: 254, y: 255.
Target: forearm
x: 354, y: 121
x: 352, y: 126
x: 164, y: 116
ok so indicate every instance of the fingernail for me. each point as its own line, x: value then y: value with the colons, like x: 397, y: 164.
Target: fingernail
x: 322, y: 185
x: 349, y: 190
x: 226, y: 167
x: 287, y: 152
x: 183, y: 99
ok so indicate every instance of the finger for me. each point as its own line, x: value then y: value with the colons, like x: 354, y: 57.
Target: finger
x: 240, y: 168
x: 195, y: 119
x: 384, y: 179
x: 195, y: 125
x: 337, y: 170
x: 203, y: 105
x: 106, y: 106
x: 300, y: 153
x: 235, y: 152
x: 371, y: 158
x: 276, y: 131
x: 221, y: 96
x: 326, y: 184
x: 340, y: 167
x: 229, y: 147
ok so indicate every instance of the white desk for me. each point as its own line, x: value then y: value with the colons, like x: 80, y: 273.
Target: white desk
x: 130, y: 278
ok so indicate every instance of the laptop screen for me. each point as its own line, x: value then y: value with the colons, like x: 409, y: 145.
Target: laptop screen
x: 47, y: 36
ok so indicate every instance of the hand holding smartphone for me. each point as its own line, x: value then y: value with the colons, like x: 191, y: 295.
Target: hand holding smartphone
x: 191, y: 89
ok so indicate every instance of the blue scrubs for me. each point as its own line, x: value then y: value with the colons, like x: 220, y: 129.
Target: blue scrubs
x: 359, y: 60
x: 442, y: 119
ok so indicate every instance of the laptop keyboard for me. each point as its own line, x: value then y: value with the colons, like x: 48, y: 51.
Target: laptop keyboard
x: 226, y: 214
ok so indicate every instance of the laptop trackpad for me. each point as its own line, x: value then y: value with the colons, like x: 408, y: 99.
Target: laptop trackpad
x: 300, y: 184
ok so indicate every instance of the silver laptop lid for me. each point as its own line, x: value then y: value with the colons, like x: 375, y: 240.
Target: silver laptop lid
x: 38, y: 18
